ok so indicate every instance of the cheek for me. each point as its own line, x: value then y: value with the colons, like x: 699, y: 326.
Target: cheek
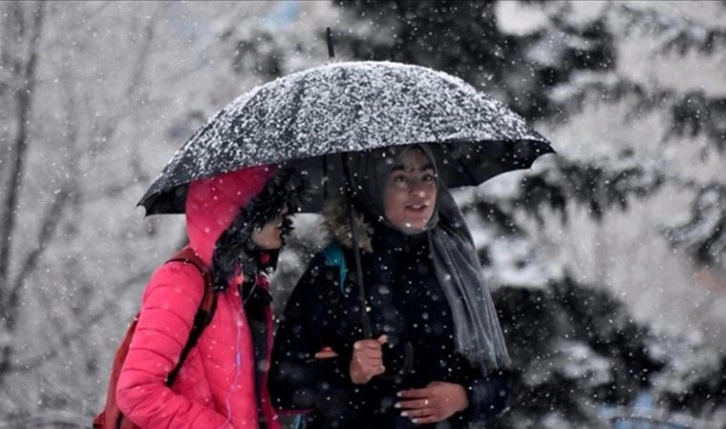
x: 268, y: 235
x: 431, y: 193
x: 257, y: 236
x: 272, y: 233
x: 394, y: 203
x: 429, y: 213
x: 432, y: 199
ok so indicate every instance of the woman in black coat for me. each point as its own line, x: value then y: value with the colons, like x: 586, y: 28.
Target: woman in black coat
x: 437, y: 357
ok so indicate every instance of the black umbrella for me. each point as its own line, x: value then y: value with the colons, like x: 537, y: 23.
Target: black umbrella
x: 308, y: 116
x: 315, y: 118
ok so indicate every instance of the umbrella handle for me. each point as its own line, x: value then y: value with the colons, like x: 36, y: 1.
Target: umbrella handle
x: 329, y: 37
x: 365, y: 320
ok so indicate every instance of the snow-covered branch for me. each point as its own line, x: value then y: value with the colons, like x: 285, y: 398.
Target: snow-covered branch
x: 704, y: 234
x: 691, y: 113
x: 677, y: 34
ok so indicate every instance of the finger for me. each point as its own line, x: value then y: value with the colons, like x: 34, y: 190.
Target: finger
x: 426, y: 420
x: 365, y: 361
x: 383, y: 339
x: 371, y: 367
x: 366, y: 350
x: 367, y: 345
x: 420, y: 413
x: 378, y: 371
x: 370, y: 353
x: 325, y: 355
x: 414, y: 393
x: 372, y: 372
x: 371, y: 364
x: 416, y: 404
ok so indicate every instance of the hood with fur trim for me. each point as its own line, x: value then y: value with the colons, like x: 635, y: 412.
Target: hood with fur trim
x: 212, y: 204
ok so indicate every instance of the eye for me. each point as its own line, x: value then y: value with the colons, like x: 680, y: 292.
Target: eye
x: 429, y: 177
x: 400, y: 180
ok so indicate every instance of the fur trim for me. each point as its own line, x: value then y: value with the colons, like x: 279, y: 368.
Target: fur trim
x: 335, y: 213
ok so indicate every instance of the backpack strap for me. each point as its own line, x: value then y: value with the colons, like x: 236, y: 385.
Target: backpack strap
x: 204, y: 314
x: 299, y: 422
x: 334, y: 257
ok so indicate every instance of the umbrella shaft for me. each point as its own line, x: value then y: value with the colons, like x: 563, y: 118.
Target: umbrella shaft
x: 365, y: 321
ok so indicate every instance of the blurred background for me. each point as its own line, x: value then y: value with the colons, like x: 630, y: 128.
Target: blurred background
x: 608, y: 261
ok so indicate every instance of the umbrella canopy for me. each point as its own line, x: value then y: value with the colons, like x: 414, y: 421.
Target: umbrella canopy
x: 306, y: 117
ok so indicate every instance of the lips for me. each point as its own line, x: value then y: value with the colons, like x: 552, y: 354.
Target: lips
x: 417, y: 208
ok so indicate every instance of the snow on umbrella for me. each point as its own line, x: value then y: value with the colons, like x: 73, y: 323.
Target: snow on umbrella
x: 347, y: 107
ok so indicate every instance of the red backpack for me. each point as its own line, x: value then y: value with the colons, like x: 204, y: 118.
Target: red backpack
x: 111, y: 417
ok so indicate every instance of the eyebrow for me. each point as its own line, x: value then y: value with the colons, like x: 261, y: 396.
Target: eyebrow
x: 400, y: 167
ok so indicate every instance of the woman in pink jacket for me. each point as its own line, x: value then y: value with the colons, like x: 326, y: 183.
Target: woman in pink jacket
x: 236, y: 224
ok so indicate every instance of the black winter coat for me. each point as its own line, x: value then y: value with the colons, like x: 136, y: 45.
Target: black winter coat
x: 406, y: 303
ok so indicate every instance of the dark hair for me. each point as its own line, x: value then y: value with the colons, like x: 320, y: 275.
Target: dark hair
x: 234, y: 248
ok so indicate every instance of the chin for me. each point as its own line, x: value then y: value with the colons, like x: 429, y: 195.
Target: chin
x: 419, y: 224
x: 412, y: 227
x: 270, y: 246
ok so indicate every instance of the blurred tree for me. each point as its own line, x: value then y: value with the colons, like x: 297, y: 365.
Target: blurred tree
x: 464, y: 39
x: 21, y: 30
x: 87, y: 115
x: 40, y: 325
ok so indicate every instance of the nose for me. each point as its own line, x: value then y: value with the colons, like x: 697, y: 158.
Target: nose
x: 420, y: 192
x: 419, y: 188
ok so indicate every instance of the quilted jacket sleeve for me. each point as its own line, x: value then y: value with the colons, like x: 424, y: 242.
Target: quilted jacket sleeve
x: 170, y: 302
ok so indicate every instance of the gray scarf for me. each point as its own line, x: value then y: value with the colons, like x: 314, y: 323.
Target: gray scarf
x: 478, y: 334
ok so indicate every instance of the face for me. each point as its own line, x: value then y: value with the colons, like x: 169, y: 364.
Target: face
x: 269, y: 237
x: 410, y: 195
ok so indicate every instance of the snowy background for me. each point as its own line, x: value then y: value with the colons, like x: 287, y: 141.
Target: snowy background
x: 608, y: 260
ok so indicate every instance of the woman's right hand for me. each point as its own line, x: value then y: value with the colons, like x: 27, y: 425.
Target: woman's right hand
x: 367, y: 360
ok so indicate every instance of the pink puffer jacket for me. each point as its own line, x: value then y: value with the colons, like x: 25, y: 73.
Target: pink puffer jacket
x: 215, y: 387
